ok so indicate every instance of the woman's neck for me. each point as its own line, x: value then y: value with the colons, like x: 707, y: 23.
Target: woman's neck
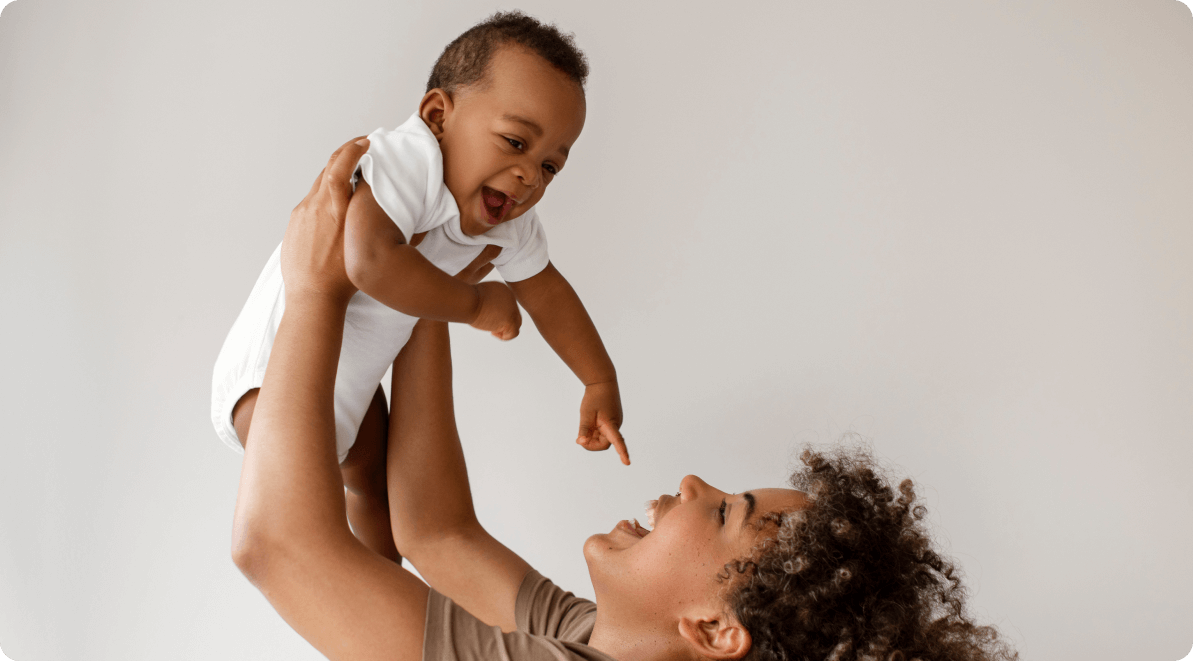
x: 634, y: 639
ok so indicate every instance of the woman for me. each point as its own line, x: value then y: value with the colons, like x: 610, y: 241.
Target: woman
x: 840, y: 569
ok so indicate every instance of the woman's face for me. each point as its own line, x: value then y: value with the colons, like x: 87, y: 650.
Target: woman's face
x: 649, y: 575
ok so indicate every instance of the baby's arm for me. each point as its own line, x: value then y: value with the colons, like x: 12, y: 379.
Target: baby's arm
x: 383, y: 265
x: 563, y: 322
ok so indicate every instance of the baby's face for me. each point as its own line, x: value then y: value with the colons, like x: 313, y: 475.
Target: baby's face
x: 504, y: 139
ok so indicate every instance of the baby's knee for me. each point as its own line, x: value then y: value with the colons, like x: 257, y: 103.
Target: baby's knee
x: 367, y: 481
x: 242, y: 414
x: 364, y: 467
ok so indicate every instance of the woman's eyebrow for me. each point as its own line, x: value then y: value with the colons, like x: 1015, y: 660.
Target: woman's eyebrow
x: 750, y: 504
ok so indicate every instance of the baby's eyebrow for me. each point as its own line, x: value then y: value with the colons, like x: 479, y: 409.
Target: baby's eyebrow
x: 530, y: 124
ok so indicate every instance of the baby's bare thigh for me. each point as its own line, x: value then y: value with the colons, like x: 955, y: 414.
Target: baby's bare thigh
x: 364, y: 467
x: 242, y: 414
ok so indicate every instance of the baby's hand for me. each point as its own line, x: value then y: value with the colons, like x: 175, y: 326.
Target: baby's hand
x: 600, y: 420
x: 498, y: 311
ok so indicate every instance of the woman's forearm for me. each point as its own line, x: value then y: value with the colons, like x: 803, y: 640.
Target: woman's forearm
x: 428, y: 480
x: 430, y: 503
x: 290, y: 485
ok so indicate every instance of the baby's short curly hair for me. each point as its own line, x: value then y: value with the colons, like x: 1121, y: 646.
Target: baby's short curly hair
x: 466, y: 59
x: 854, y: 576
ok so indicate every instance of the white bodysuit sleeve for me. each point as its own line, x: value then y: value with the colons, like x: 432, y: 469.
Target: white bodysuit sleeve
x: 528, y: 256
x: 405, y: 171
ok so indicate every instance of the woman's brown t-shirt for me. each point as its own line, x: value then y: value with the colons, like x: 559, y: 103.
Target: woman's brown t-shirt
x: 553, y: 625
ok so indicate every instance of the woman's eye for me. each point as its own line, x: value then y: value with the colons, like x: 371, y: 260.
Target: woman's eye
x: 516, y: 144
x: 721, y: 511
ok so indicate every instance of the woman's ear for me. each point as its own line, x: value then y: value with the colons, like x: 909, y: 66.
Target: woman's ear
x: 434, y: 109
x: 721, y: 638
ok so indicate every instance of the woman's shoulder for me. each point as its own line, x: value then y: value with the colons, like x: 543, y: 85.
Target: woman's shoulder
x: 545, y: 609
x: 552, y: 625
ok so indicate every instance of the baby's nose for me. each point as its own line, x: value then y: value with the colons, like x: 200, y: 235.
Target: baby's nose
x: 529, y: 176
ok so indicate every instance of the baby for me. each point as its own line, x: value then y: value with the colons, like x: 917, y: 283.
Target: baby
x: 451, y: 191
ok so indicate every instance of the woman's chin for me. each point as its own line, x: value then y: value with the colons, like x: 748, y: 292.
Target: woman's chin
x: 593, y: 546
x: 598, y: 550
x: 597, y: 555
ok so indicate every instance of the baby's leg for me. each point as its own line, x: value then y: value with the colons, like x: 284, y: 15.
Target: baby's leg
x: 363, y: 472
x: 242, y: 414
x: 364, y: 475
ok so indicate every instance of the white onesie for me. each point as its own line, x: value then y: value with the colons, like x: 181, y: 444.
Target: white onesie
x: 404, y: 167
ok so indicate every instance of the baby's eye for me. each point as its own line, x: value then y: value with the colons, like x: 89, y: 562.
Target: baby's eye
x: 516, y: 144
x: 550, y: 168
x: 721, y: 511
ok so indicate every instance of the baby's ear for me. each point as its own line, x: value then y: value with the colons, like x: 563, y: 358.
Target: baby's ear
x: 434, y: 109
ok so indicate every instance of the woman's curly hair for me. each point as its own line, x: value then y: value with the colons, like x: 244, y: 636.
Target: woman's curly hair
x: 854, y: 576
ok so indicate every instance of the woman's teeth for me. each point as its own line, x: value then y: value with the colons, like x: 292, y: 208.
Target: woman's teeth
x: 650, y: 512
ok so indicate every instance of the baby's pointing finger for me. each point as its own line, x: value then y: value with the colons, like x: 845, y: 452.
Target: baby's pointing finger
x: 612, y: 435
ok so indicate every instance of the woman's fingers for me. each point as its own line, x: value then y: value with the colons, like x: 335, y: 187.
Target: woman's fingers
x: 479, y: 267
x: 335, y: 157
x: 312, y: 249
x: 315, y: 185
x: 477, y: 274
x: 341, y: 165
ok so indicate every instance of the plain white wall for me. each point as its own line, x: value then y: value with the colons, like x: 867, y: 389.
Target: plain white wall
x: 962, y: 229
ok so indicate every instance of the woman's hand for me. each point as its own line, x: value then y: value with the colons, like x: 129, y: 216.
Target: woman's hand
x: 313, y: 248
x: 480, y: 266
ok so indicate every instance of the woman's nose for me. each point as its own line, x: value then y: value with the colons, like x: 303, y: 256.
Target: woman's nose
x: 691, y: 487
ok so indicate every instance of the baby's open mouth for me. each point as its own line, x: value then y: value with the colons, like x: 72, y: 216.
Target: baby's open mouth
x: 497, y: 204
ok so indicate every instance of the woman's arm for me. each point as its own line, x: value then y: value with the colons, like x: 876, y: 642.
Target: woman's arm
x: 290, y: 536
x: 430, y: 504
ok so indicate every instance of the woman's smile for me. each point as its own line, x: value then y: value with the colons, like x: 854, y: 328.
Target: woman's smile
x: 632, y: 527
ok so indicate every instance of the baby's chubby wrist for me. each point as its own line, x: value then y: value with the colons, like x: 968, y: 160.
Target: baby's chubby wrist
x: 477, y: 304
x: 497, y: 310
x: 482, y: 306
x: 604, y: 380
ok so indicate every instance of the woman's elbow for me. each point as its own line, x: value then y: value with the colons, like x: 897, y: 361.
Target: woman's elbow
x: 244, y: 551
x: 250, y: 548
